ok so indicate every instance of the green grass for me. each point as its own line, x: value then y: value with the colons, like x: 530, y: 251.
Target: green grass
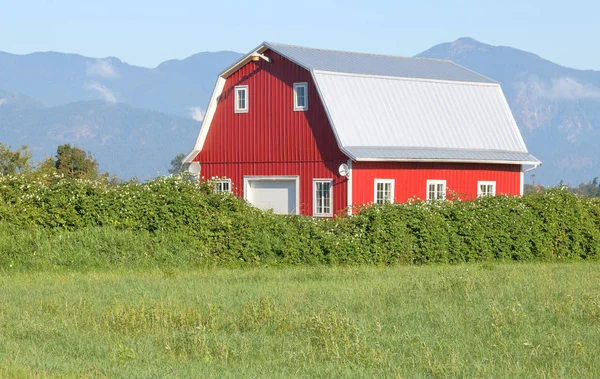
x: 479, y: 320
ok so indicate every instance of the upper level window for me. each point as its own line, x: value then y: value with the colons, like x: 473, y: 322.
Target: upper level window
x: 384, y: 191
x: 323, y: 194
x: 486, y: 189
x: 223, y: 185
x: 300, y: 96
x: 241, y: 99
x: 436, y: 189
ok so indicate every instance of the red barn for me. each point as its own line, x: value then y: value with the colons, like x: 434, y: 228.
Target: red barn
x: 282, y: 120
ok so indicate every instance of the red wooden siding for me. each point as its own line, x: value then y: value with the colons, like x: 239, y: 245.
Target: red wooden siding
x: 411, y: 179
x: 272, y: 139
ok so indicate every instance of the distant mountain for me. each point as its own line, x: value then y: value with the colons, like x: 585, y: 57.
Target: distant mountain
x: 179, y: 87
x: 557, y: 108
x: 136, y: 119
x: 133, y: 119
x: 126, y: 141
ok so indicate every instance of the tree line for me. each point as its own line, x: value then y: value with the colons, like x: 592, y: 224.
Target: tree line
x: 73, y: 162
x: 69, y: 161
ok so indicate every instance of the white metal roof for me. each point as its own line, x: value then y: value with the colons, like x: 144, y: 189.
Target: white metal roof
x: 386, y: 112
x: 404, y: 109
x: 373, y: 64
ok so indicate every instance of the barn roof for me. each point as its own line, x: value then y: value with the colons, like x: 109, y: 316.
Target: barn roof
x: 386, y: 108
x: 373, y: 64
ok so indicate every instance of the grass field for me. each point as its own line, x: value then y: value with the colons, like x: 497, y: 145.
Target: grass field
x: 479, y: 320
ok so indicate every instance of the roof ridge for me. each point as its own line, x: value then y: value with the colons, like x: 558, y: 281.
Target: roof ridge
x: 267, y: 43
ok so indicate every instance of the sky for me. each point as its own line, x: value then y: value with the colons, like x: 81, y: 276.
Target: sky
x: 146, y: 33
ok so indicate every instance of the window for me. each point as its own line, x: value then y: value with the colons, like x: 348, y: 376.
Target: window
x: 241, y: 99
x: 223, y: 185
x: 384, y: 191
x: 436, y: 189
x: 486, y: 189
x: 300, y: 96
x: 323, y: 194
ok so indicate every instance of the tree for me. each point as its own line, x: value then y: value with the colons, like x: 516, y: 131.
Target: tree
x: 14, y: 162
x: 73, y: 162
x: 177, y: 165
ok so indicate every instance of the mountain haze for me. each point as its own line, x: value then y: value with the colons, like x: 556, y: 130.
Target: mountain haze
x: 136, y: 119
x: 557, y: 108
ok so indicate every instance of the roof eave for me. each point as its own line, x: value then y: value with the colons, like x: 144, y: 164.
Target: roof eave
x: 440, y: 160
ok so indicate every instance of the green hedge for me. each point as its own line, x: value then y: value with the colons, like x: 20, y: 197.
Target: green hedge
x: 174, y: 221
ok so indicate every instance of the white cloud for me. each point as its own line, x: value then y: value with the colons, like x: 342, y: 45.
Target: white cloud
x: 197, y: 113
x: 107, y: 94
x: 571, y: 89
x: 102, y: 68
x: 2, y: 101
x: 563, y: 88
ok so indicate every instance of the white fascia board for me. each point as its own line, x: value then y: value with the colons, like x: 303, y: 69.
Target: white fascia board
x: 244, y: 60
x: 208, y: 117
x: 448, y: 161
x: 512, y: 117
x: 329, y: 118
x: 484, y: 84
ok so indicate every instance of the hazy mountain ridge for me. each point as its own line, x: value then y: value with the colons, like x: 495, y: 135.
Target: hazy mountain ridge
x: 557, y: 108
x: 126, y: 141
x: 173, y: 87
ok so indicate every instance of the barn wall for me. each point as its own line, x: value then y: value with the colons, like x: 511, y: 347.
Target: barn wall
x: 411, y: 179
x: 273, y: 139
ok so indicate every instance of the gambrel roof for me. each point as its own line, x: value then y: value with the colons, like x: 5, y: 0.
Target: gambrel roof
x: 387, y: 108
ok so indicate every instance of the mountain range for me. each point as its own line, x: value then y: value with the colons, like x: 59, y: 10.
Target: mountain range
x: 136, y: 119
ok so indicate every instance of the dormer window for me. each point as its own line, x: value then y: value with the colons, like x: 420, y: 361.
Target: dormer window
x: 300, y: 97
x: 241, y: 99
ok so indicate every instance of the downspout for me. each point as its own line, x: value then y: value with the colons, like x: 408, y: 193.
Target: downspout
x: 349, y: 187
x: 523, y: 176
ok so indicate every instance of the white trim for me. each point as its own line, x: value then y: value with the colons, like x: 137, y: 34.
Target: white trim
x: 384, y: 181
x: 329, y: 118
x: 435, y: 182
x: 522, y: 182
x: 305, y: 107
x: 514, y: 122
x: 349, y: 186
x: 244, y: 61
x: 206, y: 122
x: 296, y: 178
x: 322, y: 180
x: 220, y: 181
x: 236, y: 99
x: 387, y: 77
x: 447, y: 160
x: 485, y: 183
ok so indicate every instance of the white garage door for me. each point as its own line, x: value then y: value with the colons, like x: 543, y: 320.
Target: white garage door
x: 276, y: 194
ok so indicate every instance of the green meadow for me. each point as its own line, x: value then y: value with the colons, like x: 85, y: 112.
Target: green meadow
x: 468, y: 320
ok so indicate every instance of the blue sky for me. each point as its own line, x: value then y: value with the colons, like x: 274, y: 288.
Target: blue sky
x: 148, y: 32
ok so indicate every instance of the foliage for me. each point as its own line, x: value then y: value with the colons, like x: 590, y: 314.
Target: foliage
x: 13, y: 162
x: 177, y: 165
x: 591, y: 188
x: 475, y: 321
x: 73, y: 162
x: 176, y: 222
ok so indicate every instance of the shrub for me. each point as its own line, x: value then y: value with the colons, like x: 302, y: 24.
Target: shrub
x: 174, y: 221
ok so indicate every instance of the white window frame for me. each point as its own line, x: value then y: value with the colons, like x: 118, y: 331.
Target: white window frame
x: 323, y: 180
x: 236, y: 99
x: 486, y: 183
x: 219, y: 183
x: 436, y: 182
x: 384, y: 181
x: 305, y: 107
